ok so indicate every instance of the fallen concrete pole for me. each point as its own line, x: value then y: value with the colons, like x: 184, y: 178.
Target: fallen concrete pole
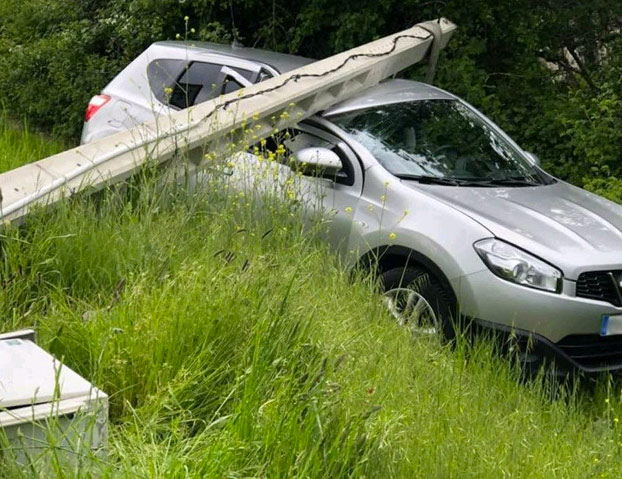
x: 205, y: 127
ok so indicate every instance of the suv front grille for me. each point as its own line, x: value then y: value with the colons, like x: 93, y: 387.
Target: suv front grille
x: 601, y: 285
x: 592, y: 350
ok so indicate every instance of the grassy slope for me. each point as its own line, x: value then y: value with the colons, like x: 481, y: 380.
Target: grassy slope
x: 270, y: 361
x: 18, y: 145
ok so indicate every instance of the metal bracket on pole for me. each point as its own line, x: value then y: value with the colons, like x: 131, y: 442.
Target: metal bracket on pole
x: 436, y: 28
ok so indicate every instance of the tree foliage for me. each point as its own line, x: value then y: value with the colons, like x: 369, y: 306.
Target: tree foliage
x: 549, y: 72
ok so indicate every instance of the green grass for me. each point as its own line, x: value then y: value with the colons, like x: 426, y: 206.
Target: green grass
x: 19, y: 145
x: 232, y: 344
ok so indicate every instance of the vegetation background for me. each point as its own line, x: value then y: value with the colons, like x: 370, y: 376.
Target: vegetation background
x: 548, y: 71
x: 232, y: 344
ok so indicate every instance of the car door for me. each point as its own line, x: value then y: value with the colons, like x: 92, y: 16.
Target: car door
x: 335, y: 198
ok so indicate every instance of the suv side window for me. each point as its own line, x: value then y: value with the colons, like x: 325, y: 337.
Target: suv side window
x: 264, y: 75
x: 176, y: 83
x: 231, y: 84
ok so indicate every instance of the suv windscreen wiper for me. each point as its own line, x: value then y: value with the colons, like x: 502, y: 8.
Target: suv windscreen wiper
x: 439, y: 180
x: 484, y: 182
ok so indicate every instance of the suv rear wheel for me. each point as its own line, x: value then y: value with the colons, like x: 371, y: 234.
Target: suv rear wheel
x: 417, y: 300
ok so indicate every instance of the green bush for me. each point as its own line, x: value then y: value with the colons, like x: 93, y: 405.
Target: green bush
x: 19, y: 145
x: 56, y: 54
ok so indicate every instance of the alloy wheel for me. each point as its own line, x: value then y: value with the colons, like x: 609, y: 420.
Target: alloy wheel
x: 411, y: 309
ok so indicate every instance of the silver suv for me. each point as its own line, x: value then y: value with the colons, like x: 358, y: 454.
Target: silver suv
x: 457, y: 219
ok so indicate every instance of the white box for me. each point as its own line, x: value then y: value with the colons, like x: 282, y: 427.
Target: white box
x: 47, y: 411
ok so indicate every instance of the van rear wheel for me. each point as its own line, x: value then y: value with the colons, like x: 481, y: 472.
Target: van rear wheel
x: 417, y: 300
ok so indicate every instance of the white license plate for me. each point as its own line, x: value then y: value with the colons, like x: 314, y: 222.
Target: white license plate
x: 611, y: 324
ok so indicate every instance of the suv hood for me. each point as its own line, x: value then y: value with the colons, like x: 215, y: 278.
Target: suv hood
x: 568, y: 227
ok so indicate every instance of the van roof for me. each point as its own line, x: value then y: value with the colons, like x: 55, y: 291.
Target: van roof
x: 281, y: 62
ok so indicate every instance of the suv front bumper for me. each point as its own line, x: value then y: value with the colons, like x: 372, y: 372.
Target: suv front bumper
x: 560, y: 327
x: 589, y: 354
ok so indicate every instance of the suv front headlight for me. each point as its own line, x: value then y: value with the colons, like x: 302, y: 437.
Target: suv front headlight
x: 515, y: 265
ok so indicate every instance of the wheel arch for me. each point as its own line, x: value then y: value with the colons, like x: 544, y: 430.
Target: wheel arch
x: 383, y: 258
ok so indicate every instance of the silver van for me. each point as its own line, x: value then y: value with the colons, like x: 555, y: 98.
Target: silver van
x: 457, y: 219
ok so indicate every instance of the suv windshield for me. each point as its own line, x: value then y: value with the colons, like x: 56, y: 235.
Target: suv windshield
x: 439, y: 141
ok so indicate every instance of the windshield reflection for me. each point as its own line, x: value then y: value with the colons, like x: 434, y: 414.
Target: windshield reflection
x: 434, y: 140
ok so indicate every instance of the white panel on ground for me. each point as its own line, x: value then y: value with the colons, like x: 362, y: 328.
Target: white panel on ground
x: 46, y: 409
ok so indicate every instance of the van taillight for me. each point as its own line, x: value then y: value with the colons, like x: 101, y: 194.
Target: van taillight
x: 94, y: 105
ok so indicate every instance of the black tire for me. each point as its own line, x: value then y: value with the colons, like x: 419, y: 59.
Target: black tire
x: 432, y: 290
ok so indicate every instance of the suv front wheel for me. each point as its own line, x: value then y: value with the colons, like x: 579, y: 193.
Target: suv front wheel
x: 417, y: 300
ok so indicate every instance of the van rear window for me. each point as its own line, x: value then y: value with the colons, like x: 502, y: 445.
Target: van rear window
x: 181, y: 84
x: 162, y: 75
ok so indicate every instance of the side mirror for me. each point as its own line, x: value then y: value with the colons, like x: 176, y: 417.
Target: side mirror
x: 533, y: 158
x: 318, y: 162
